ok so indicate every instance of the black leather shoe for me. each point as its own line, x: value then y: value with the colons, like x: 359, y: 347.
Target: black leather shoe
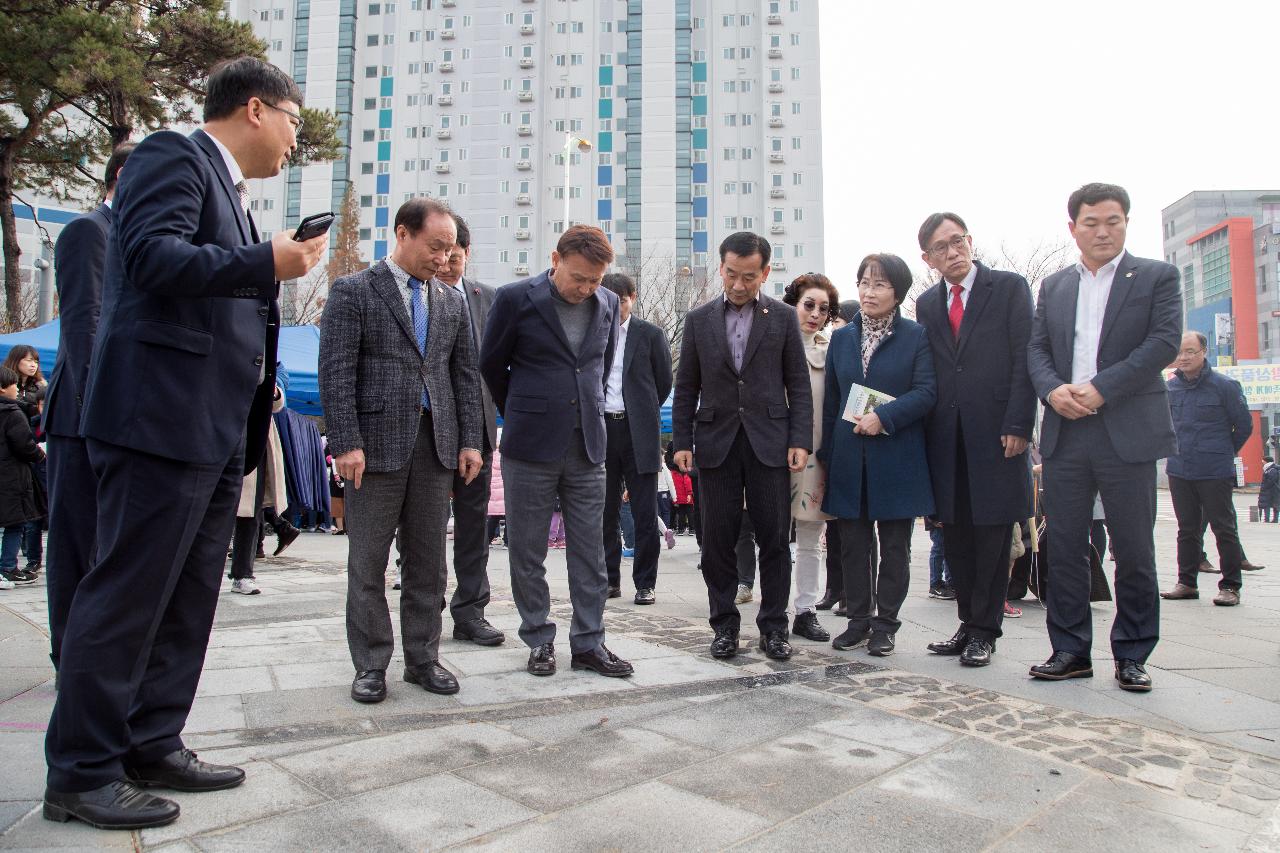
x: 725, y: 645
x: 880, y: 644
x: 774, y: 645
x: 602, y: 661
x: 977, y: 652
x: 615, y: 592
x: 954, y: 646
x: 1132, y: 676
x: 478, y: 631
x: 827, y: 601
x: 432, y: 677
x: 285, y: 534
x: 806, y: 625
x: 116, y: 805
x: 840, y: 610
x: 180, y: 770
x: 542, y: 660
x: 851, y: 639
x: 369, y: 686
x: 645, y: 596
x: 1063, y: 665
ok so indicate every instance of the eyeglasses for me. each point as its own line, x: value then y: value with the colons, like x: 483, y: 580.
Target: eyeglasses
x: 874, y: 286
x: 940, y: 248
x: 295, y: 119
x: 811, y: 306
x: 1190, y: 353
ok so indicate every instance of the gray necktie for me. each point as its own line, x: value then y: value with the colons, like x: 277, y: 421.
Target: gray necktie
x: 243, y: 189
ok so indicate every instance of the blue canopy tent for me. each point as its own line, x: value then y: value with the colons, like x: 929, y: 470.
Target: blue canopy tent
x: 299, y: 350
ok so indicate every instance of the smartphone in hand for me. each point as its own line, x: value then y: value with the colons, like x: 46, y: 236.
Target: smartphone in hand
x: 313, y: 226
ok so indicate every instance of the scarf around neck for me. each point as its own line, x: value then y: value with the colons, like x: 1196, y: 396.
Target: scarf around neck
x: 873, y: 334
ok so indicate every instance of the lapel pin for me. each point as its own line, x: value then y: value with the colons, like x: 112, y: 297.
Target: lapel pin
x: 764, y: 310
x: 1129, y: 274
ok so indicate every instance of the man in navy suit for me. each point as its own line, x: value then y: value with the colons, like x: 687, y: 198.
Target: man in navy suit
x: 1104, y: 331
x: 979, y: 322
x: 79, y: 261
x: 547, y: 348
x: 179, y: 401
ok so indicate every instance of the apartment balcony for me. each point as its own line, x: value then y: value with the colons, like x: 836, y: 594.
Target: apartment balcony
x: 777, y: 192
x: 524, y: 130
x: 774, y: 88
x: 444, y: 133
x: 442, y: 168
x: 775, y: 53
x: 526, y: 62
x: 777, y: 228
x: 524, y: 96
x: 523, y: 198
x: 445, y: 100
x: 775, y: 122
x: 520, y: 269
x: 447, y: 67
x: 526, y: 29
x: 775, y: 20
x: 522, y: 234
x: 448, y: 35
x: 776, y: 157
x: 524, y: 165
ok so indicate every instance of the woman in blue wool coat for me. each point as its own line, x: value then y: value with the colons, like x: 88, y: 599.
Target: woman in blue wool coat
x: 877, y: 473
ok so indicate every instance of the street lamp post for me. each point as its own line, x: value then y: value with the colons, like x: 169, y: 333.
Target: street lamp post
x: 584, y: 146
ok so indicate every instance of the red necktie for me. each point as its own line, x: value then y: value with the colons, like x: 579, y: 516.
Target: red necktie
x: 956, y: 314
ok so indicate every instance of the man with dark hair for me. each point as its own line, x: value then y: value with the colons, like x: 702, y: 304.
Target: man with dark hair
x: 1212, y: 422
x: 979, y: 322
x: 1104, y: 330
x: 636, y: 386
x: 79, y: 262
x: 471, y: 500
x: 401, y: 401
x: 548, y: 346
x: 179, y: 400
x: 744, y: 403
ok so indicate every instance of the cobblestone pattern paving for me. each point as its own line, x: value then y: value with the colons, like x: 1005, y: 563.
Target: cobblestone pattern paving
x: 1183, y: 765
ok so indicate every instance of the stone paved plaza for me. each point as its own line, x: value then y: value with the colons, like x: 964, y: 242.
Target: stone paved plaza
x: 829, y: 751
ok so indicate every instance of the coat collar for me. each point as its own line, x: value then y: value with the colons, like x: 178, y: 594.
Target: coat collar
x: 210, y: 148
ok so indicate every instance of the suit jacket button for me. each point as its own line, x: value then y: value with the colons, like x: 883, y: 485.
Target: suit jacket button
x: 959, y: 368
x: 573, y: 402
x: 741, y: 409
x: 257, y: 362
x: 262, y: 312
x: 740, y: 382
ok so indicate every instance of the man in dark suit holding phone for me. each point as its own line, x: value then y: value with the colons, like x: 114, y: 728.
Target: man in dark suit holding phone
x: 180, y: 392
x: 79, y: 261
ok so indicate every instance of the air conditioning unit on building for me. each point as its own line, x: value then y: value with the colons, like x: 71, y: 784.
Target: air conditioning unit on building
x: 444, y: 133
x: 447, y: 67
x: 520, y: 269
x: 526, y: 62
x: 777, y: 192
x: 780, y: 266
x: 447, y: 34
x: 526, y: 29
x: 442, y: 167
x: 775, y: 122
x: 524, y: 165
x: 776, y: 157
x: 445, y: 100
x: 777, y: 228
x: 775, y: 88
x: 524, y: 130
x: 775, y: 19
x: 775, y: 53
x: 523, y: 198
x: 524, y: 96
x: 522, y: 234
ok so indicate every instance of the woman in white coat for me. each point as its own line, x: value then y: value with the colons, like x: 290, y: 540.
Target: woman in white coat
x: 816, y: 301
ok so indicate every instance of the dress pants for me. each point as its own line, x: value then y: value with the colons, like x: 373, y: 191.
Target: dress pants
x: 835, y: 561
x: 808, y: 561
x: 247, y: 536
x: 73, y: 525
x: 531, y: 489
x: 415, y: 500
x: 978, y: 558
x: 471, y: 545
x: 1085, y: 464
x: 768, y: 504
x: 744, y: 551
x: 139, y: 623
x: 1197, y: 501
x: 874, y: 594
x: 620, y: 472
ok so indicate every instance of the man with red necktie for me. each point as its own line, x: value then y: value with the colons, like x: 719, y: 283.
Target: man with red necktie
x: 979, y: 323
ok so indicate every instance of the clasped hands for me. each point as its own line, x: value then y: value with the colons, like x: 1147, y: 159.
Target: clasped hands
x: 797, y: 458
x: 1076, y: 401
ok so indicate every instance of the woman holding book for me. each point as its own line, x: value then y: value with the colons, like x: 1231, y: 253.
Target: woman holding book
x: 880, y: 385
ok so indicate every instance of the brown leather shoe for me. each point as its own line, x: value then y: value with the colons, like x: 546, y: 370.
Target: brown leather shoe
x: 1180, y: 592
x: 1227, y: 598
x: 1207, y: 567
x: 1246, y: 566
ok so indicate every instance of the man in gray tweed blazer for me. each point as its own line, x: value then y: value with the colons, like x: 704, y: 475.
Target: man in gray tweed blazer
x: 401, y: 397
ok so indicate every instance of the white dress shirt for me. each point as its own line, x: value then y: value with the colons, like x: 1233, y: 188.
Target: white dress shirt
x: 233, y: 168
x: 613, y: 389
x: 1091, y: 305
x: 967, y: 284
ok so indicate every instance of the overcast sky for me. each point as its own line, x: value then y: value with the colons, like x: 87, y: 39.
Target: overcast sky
x: 997, y: 109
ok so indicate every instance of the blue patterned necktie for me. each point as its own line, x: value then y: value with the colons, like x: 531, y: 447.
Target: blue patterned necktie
x: 419, y: 315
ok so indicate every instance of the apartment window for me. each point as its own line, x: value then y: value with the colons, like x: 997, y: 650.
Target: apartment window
x: 504, y: 256
x: 464, y: 119
x: 388, y: 71
x: 415, y: 67
x: 506, y: 154
x: 448, y: 23
x: 411, y: 132
x: 730, y: 223
x: 414, y: 36
x: 795, y: 143
x: 508, y: 51
x: 370, y: 71
x: 504, y: 187
x: 777, y: 215
x: 747, y: 187
x: 699, y: 223
x: 446, y: 122
x: 385, y: 103
x: 371, y: 41
x: 375, y: 9
x: 462, y: 154
x: 522, y: 222
x: 575, y: 91
x: 775, y: 75
x: 727, y: 21
x: 389, y: 38
x: 411, y: 100
x: 699, y: 155
x: 384, y: 134
x: 730, y: 86
x: 384, y: 168
x: 278, y: 44
x: 446, y: 56
x: 506, y: 85
x: 522, y: 256
x: 795, y: 5
x: 795, y: 39
x: 777, y: 179
x: 798, y: 214
x: 509, y: 18
x: 795, y: 108
x: 444, y: 155
x: 504, y: 222
x: 748, y: 222
x: 775, y: 144
x: 605, y: 159
x: 506, y: 118
x: 699, y: 23
x: 557, y: 92
x: 699, y: 56
x: 699, y: 190
x: 524, y: 155
x: 410, y: 165
x: 524, y: 187
x: 575, y: 59
x: 744, y: 20
x: 798, y: 250
x: 731, y: 188
x: 746, y: 119
x: 744, y: 52
x: 746, y: 153
x: 366, y: 168
x: 606, y: 26
x: 730, y: 53
x: 796, y: 179
x: 576, y: 27
x: 562, y: 27
x: 462, y: 188
x: 730, y: 153
x: 605, y: 192
x: 366, y: 233
x: 367, y: 136
x: 264, y: 15
x: 795, y: 73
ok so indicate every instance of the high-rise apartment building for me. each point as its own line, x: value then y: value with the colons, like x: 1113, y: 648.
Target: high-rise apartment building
x: 667, y: 123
